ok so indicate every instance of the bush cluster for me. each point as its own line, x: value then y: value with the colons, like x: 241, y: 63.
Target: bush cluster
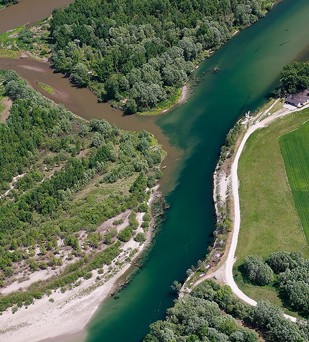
x: 291, y: 280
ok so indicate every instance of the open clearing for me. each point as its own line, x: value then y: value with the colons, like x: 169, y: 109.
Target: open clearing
x: 269, y: 218
x: 295, y: 151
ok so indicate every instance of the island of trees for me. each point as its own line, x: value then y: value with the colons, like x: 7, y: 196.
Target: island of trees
x: 137, y: 54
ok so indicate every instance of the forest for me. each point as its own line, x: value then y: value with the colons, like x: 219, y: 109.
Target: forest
x: 137, y: 54
x: 287, y: 272
x: 60, y: 176
x: 212, y: 313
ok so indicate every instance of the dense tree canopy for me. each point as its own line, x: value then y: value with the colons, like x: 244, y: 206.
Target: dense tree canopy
x: 198, y: 319
x: 257, y: 271
x: 209, y: 312
x: 137, y: 53
x: 295, y: 77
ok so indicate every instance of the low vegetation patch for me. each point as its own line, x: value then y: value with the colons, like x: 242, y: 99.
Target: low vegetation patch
x: 34, y: 40
x: 5, y: 53
x: 47, y: 88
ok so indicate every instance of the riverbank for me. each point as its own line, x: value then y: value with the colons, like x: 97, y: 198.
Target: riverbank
x: 178, y: 98
x: 71, y: 310
x: 227, y: 205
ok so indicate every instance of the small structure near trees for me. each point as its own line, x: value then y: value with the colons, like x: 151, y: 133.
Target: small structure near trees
x: 299, y: 99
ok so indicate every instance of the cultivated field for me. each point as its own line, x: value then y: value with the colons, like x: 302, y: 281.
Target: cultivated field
x: 295, y: 151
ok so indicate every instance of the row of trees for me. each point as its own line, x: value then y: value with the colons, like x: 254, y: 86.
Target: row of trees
x: 137, y: 53
x: 209, y: 312
x: 289, y: 274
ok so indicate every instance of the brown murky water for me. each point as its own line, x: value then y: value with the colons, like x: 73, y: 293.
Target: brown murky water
x: 28, y: 12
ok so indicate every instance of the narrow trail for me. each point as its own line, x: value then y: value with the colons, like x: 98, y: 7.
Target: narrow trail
x: 225, y: 272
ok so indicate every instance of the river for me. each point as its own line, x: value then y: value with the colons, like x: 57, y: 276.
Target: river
x: 249, y: 64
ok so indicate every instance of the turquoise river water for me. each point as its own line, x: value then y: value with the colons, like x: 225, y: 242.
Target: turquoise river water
x: 249, y: 64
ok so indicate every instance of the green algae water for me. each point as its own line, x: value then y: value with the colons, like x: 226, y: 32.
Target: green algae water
x: 249, y: 65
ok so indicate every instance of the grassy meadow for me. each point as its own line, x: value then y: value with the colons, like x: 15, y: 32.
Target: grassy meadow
x: 269, y: 218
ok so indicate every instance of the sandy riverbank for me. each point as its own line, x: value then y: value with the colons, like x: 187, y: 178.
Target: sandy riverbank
x: 182, y: 99
x: 68, y: 313
x: 184, y: 94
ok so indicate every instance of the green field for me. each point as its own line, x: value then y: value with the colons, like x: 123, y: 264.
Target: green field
x: 295, y: 151
x: 269, y: 218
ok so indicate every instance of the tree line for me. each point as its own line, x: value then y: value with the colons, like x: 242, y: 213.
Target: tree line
x: 136, y: 54
x: 209, y: 313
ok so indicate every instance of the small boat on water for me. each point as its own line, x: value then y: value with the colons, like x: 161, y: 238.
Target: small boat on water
x: 215, y: 70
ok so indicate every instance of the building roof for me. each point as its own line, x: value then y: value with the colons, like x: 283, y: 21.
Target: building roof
x: 297, y: 99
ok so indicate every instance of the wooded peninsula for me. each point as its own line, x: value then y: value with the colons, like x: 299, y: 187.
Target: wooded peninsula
x: 137, y: 54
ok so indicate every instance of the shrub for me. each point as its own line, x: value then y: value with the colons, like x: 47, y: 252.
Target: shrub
x: 140, y: 237
x: 125, y: 235
x: 88, y: 275
x: 281, y: 261
x: 257, y: 271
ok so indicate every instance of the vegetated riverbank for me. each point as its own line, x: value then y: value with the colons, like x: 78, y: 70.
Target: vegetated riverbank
x: 6, y: 3
x: 59, y: 245
x: 178, y: 98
